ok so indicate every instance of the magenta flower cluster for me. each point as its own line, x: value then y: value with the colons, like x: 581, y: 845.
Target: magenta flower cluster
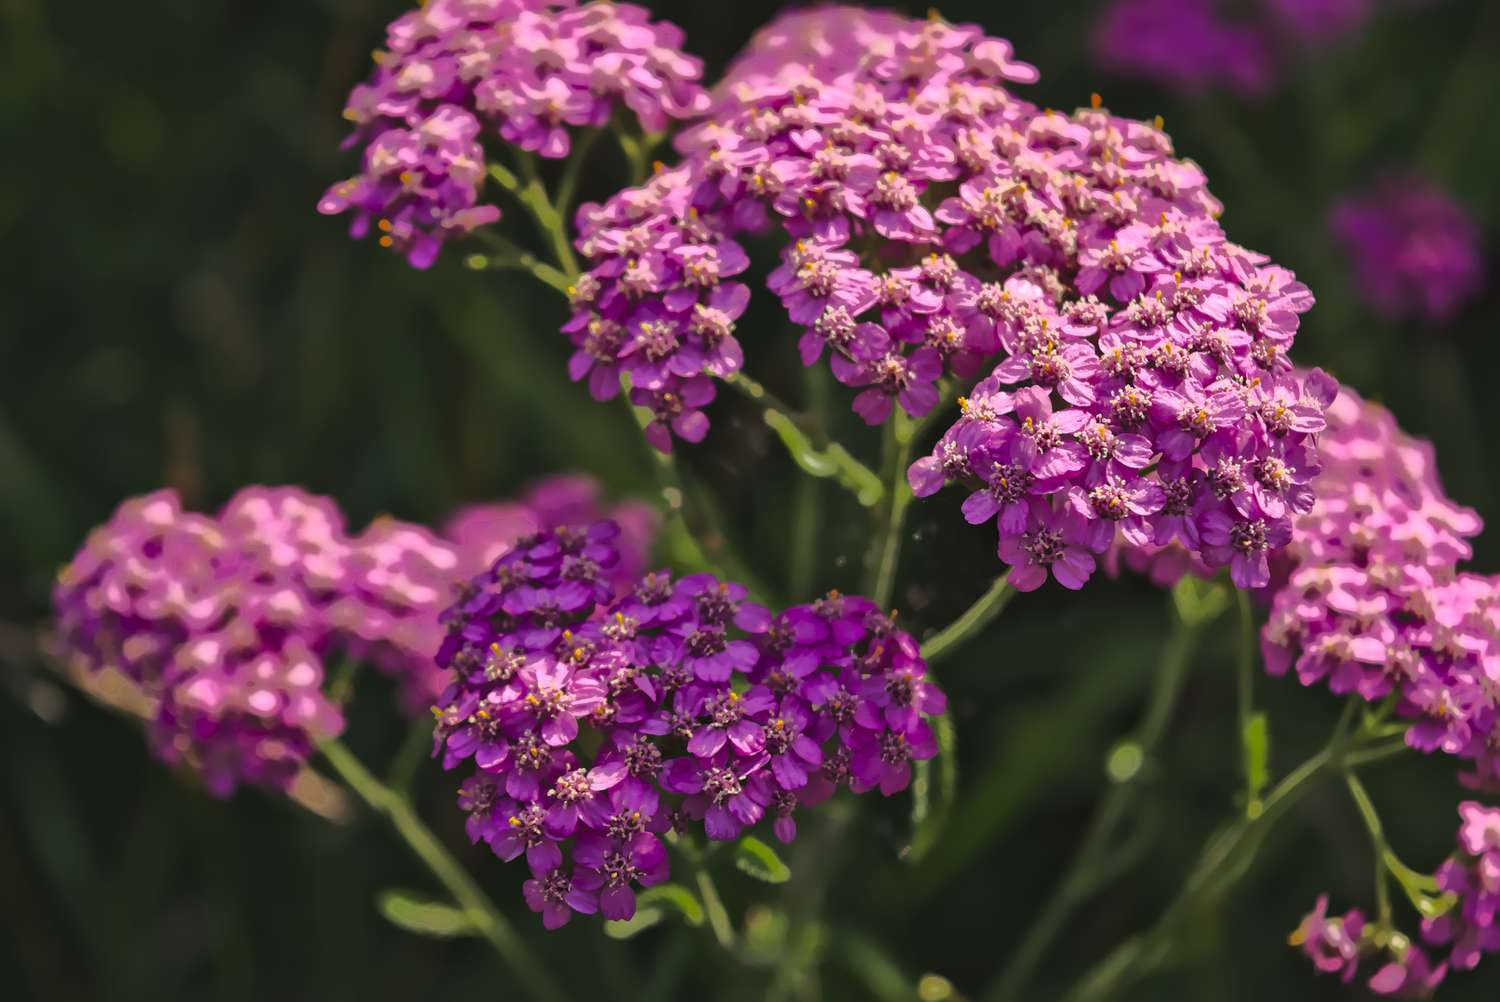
x: 1468, y: 929
x: 1413, y: 248
x: 934, y: 223
x: 1374, y: 601
x: 528, y: 71
x: 226, y: 624
x: 596, y: 726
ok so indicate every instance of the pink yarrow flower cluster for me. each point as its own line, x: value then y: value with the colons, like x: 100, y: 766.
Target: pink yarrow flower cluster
x: 529, y: 72
x: 225, y: 623
x: 1466, y: 930
x: 595, y: 724
x: 933, y: 224
x: 1375, y: 603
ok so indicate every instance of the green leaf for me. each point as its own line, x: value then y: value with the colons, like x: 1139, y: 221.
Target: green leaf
x: 1198, y: 602
x: 1257, y: 739
x: 643, y: 919
x: 423, y: 917
x: 674, y: 898
x: 760, y: 861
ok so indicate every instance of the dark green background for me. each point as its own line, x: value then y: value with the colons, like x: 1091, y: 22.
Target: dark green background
x: 176, y: 312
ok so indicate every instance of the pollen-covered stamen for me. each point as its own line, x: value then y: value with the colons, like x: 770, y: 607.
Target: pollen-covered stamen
x: 954, y: 461
x: 819, y: 276
x: 1049, y: 368
x: 620, y: 870
x: 841, y: 705
x: 548, y: 703
x: 555, y: 887
x: 712, y: 325
x: 940, y: 270
x: 719, y: 784
x: 836, y: 767
x: 778, y: 736
x: 836, y: 327
x: 1043, y: 547
x: 603, y: 339
x: 1110, y: 501
x: 893, y: 748
x: 1249, y: 537
x: 658, y: 339
x: 1196, y: 420
x: 486, y: 723
x: 714, y: 604
x: 572, y: 787
x: 783, y: 803
x: 526, y: 825
x: 1149, y: 311
x: 1008, y: 483
x: 830, y: 606
x: 1273, y: 474
x: 580, y: 568
x: 621, y: 627
x: 531, y: 754
x: 704, y: 643
x: 1226, y: 477
x: 724, y: 711
x: 642, y: 758
x: 702, y: 269
x: 944, y: 334
x: 1129, y: 405
x: 637, y: 279
x: 901, y: 687
x: 654, y: 588
x: 481, y: 797
x: 895, y: 192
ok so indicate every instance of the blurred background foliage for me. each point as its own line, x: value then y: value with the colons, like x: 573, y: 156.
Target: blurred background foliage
x: 177, y: 313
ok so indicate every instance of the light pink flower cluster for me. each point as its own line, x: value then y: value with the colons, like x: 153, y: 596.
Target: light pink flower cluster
x: 528, y: 71
x: 226, y: 623
x: 1375, y: 601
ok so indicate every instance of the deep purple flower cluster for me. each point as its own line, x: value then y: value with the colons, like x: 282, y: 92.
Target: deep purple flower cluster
x: 595, y: 726
x: 528, y: 71
x: 1190, y: 45
x: 224, y: 624
x: 1414, y: 250
x: 1374, y: 601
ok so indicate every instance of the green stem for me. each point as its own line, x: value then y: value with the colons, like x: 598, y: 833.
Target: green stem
x: 713, y: 907
x: 971, y: 622
x: 809, y: 445
x: 1378, y: 844
x: 508, y: 256
x: 1245, y: 700
x: 532, y: 194
x: 567, y: 185
x: 476, y: 906
x: 885, y: 546
x: 692, y: 518
x: 1092, y: 865
x: 1225, y: 858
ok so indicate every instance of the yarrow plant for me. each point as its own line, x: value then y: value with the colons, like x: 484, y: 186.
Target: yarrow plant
x: 1039, y: 308
x: 596, y: 726
x: 226, y: 625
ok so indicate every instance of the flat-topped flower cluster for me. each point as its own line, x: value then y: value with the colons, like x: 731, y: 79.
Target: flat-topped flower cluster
x: 529, y: 71
x: 933, y: 223
x: 595, y: 726
x: 226, y: 624
x: 1375, y: 602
